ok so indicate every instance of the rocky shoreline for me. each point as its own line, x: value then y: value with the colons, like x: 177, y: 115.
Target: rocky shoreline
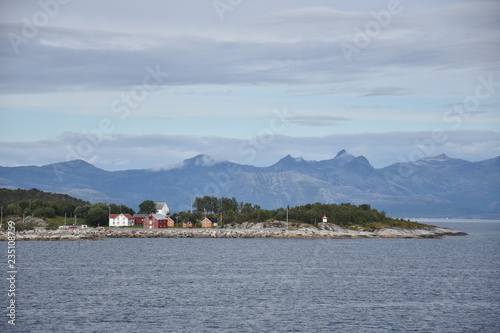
x: 251, y: 231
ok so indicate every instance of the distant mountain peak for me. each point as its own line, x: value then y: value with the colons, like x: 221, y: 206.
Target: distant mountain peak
x: 288, y: 162
x: 342, y: 152
x: 435, y: 186
x: 440, y: 161
x: 440, y: 157
x: 74, y: 164
x: 343, y: 157
x: 289, y: 159
x: 201, y: 160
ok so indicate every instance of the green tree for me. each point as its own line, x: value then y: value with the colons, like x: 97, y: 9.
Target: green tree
x: 82, y: 211
x: 24, y: 205
x: 97, y: 216
x: 57, y: 209
x: 38, y: 204
x: 101, y: 205
x: 44, y: 212
x: 117, y: 209
x: 280, y: 214
x: 147, y: 207
x: 13, y: 209
x: 365, y: 207
x: 228, y: 205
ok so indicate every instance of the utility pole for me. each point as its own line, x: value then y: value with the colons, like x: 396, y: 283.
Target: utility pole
x: 65, y: 218
x: 287, y: 217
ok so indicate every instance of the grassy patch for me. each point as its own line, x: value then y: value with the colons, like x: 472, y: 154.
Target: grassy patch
x: 57, y: 221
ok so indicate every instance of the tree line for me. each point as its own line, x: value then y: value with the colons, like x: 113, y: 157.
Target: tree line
x: 229, y: 210
x: 233, y: 211
x: 43, y: 204
x: 37, y: 203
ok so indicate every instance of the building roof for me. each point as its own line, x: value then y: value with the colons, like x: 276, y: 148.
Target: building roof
x: 140, y: 215
x: 159, y: 216
x: 112, y: 216
x: 159, y: 205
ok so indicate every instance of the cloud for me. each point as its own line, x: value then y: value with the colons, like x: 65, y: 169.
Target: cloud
x: 316, y: 120
x: 387, y: 91
x: 264, y: 55
x: 313, y: 15
x: 442, y: 40
x: 120, y: 152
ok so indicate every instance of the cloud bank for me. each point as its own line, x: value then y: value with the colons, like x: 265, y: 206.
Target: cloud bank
x: 120, y: 152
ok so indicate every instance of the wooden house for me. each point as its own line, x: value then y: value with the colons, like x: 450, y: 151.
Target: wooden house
x: 208, y: 222
x: 121, y: 220
x: 139, y: 218
x: 172, y: 222
x: 162, y: 208
x: 155, y: 221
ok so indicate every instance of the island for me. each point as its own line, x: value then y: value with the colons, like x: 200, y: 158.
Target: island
x: 244, y: 230
x: 210, y: 217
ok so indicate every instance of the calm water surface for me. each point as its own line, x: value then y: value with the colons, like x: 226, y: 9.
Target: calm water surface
x: 260, y: 285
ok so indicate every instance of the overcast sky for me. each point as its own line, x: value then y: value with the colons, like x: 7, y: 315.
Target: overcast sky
x: 141, y: 84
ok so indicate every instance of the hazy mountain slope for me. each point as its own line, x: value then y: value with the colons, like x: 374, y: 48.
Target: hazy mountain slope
x: 436, y: 186
x: 472, y: 186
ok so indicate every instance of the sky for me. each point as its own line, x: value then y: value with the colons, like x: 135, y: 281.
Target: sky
x: 147, y: 84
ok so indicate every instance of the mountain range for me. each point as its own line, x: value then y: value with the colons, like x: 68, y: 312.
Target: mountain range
x: 437, y: 186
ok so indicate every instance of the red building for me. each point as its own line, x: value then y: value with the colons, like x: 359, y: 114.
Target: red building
x: 155, y: 221
x: 139, y: 219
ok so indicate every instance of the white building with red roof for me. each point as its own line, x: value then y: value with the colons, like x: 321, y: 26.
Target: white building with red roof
x: 121, y: 220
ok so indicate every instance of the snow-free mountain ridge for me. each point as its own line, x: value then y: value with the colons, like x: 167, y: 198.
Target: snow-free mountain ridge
x: 437, y: 186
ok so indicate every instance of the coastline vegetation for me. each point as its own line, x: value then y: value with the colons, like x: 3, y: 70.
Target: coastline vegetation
x: 230, y: 211
x: 55, y: 208
x: 58, y: 209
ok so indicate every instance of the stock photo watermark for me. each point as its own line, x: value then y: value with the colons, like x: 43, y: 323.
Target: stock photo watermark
x: 252, y: 146
x: 40, y: 19
x: 484, y: 89
x: 249, y: 149
x: 371, y: 30
x: 222, y: 7
x: 121, y: 107
x: 11, y: 272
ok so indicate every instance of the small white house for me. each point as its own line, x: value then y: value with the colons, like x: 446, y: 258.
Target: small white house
x: 121, y: 220
x: 325, y: 219
x: 162, y: 208
x: 72, y: 226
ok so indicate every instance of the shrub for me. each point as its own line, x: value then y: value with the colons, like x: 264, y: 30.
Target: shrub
x: 44, y: 212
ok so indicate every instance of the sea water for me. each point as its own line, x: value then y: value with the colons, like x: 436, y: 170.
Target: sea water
x: 259, y: 285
